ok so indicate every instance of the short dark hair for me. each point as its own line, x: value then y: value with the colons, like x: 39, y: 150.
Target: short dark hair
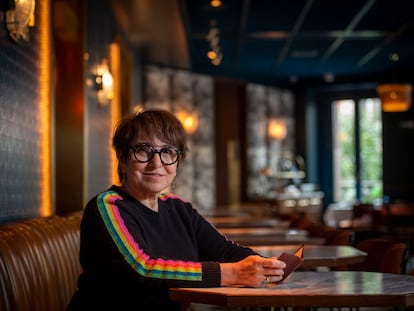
x: 148, y: 123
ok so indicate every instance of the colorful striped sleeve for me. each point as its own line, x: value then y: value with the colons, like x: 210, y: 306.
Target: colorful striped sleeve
x: 140, y: 261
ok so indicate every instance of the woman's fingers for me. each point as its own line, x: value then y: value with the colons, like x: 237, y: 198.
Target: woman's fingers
x: 273, y: 270
x: 273, y: 262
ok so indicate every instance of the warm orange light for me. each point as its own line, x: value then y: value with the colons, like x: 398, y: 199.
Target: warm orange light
x: 215, y: 3
x: 115, y: 66
x: 104, y: 83
x: 277, y: 129
x: 215, y: 61
x: 189, y: 120
x: 211, y: 54
x: 395, y: 97
x: 44, y: 107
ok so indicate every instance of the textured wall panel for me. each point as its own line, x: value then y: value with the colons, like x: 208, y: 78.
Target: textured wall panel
x: 175, y: 90
x: 98, y: 127
x: 263, y: 103
x: 20, y: 167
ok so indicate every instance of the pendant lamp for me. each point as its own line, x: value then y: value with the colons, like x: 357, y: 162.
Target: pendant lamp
x: 395, y: 97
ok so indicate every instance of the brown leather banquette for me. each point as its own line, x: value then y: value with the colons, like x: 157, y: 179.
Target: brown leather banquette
x: 39, y: 263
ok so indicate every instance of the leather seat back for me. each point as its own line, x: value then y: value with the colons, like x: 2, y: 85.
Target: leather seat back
x: 39, y: 263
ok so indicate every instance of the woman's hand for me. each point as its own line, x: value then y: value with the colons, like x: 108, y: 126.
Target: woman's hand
x: 253, y: 271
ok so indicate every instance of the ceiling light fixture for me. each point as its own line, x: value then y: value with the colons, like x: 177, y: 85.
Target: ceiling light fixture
x: 215, y: 3
x: 395, y: 97
x: 214, y: 54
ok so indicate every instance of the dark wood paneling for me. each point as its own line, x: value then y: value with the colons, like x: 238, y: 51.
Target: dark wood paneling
x: 229, y: 101
x: 398, y: 152
x: 69, y: 113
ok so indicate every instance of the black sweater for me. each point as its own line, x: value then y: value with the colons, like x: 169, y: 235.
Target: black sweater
x: 131, y: 255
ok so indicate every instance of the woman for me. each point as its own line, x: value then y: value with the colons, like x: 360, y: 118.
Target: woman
x: 138, y: 241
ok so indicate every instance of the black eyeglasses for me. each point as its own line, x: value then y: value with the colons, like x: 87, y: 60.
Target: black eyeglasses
x: 144, y: 153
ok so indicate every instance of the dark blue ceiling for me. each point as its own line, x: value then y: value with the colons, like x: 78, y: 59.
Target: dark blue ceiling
x: 287, y: 42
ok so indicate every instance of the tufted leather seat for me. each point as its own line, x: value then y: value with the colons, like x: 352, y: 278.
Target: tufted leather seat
x: 39, y: 263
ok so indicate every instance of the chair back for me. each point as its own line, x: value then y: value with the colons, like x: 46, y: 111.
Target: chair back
x: 318, y: 230
x: 362, y: 216
x: 398, y: 215
x: 339, y: 237
x: 383, y: 255
x: 331, y: 235
x: 301, y: 222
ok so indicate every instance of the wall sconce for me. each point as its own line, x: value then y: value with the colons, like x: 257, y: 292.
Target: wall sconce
x: 104, y: 83
x: 19, y: 16
x: 277, y: 129
x: 189, y: 120
x: 395, y: 97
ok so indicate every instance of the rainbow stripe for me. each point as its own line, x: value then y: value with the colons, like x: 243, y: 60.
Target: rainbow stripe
x: 139, y: 261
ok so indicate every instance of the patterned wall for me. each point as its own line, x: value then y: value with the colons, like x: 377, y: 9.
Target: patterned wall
x: 265, y: 102
x: 20, y: 150
x: 98, y: 127
x: 20, y: 168
x: 174, y: 90
x: 98, y: 133
x: 20, y: 176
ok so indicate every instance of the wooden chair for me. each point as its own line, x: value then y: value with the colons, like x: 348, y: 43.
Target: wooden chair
x: 364, y: 217
x: 331, y: 235
x: 383, y: 255
x: 399, y: 222
x: 318, y: 230
x: 302, y: 222
x: 361, y: 235
x: 398, y: 216
x: 338, y: 237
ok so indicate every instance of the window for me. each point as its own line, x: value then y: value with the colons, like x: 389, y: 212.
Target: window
x: 357, y: 150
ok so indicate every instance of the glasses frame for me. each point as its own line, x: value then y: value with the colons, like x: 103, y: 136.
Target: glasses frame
x: 154, y: 151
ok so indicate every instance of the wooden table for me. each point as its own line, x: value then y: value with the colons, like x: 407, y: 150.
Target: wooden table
x: 247, y: 222
x: 311, y: 289
x: 317, y: 255
x: 269, y: 236
x: 258, y: 231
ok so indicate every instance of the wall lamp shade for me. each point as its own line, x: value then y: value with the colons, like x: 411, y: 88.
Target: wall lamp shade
x: 189, y: 120
x: 277, y: 129
x: 395, y: 97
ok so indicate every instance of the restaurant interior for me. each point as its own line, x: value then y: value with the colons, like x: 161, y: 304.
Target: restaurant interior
x: 299, y: 115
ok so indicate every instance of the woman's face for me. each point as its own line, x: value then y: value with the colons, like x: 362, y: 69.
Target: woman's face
x: 150, y: 178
